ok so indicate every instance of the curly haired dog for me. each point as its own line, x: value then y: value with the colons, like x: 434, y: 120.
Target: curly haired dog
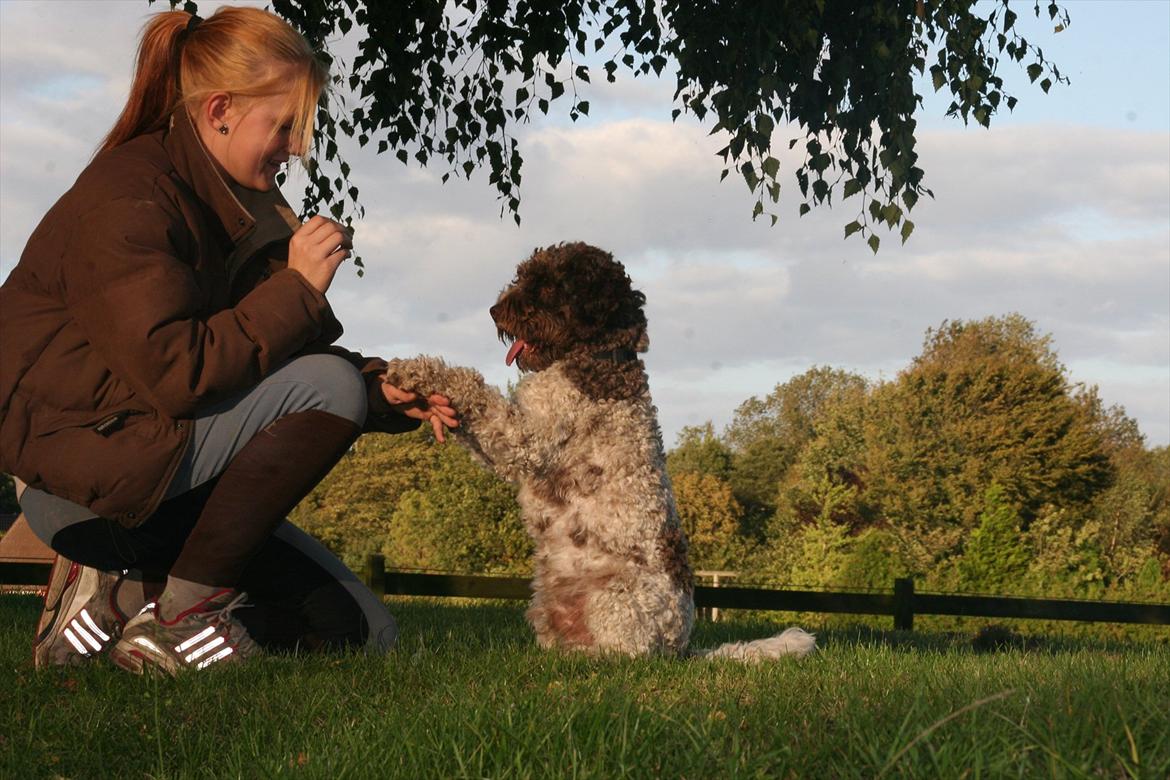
x: 582, y: 442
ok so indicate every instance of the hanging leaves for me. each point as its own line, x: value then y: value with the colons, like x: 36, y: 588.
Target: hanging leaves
x: 448, y: 83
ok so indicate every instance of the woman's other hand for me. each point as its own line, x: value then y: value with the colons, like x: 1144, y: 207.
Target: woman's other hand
x: 434, y: 408
x: 317, y: 249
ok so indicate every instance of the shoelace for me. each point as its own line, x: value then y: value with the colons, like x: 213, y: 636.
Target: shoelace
x: 224, y: 617
x: 225, y: 612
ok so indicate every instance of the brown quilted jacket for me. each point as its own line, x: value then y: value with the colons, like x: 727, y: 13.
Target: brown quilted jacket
x: 148, y: 291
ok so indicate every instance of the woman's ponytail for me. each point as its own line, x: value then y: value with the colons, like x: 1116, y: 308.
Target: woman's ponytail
x: 155, y: 92
x: 245, y: 52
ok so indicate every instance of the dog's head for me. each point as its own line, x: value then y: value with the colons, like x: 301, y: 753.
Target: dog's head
x: 569, y: 300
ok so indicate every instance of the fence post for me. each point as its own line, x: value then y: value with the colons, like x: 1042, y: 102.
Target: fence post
x: 376, y: 574
x: 903, y: 604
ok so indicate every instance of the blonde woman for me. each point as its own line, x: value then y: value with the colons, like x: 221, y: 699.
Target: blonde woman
x: 168, y: 386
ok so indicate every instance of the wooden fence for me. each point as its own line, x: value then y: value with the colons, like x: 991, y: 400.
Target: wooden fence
x: 902, y: 604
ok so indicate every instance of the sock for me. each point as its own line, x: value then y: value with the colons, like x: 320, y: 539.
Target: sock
x: 131, y: 594
x: 180, y: 594
x: 134, y: 591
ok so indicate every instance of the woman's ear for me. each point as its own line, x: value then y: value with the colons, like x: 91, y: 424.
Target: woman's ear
x: 216, y: 110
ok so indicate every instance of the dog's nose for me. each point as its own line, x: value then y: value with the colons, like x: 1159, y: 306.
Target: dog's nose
x: 494, y: 311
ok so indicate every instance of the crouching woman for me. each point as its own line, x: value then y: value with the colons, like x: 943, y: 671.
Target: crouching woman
x: 169, y: 388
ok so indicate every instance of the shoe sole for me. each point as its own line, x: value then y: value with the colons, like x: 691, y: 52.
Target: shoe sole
x: 70, y: 582
x: 131, y: 661
x: 65, y: 581
x: 131, y: 658
x: 58, y: 582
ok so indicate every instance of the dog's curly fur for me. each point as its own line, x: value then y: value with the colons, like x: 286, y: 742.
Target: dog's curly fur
x: 582, y: 442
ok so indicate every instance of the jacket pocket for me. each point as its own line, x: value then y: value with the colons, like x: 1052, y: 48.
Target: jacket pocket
x: 102, y: 423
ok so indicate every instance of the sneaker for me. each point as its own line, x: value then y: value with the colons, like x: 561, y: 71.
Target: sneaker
x: 81, y: 619
x: 196, y: 638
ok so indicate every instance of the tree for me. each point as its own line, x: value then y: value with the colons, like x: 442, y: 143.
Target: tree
x: 467, y: 522
x: 700, y: 451
x: 873, y: 561
x: 766, y: 436
x: 987, y: 402
x: 421, y: 504
x: 996, y: 554
x: 450, y: 82
x: 350, y: 510
x: 1132, y: 517
x: 710, y: 516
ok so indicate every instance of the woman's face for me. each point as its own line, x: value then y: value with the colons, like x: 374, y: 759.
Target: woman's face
x: 257, y: 142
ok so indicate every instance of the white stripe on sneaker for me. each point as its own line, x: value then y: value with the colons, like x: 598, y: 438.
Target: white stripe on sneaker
x: 149, y: 645
x: 76, y: 644
x: 93, y: 626
x: 221, y: 654
x: 205, y: 649
x: 89, y: 640
x: 192, y: 641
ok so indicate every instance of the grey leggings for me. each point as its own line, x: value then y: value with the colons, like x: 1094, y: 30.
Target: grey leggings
x: 322, y: 382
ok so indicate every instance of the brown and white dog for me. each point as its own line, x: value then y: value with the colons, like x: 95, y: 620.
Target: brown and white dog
x: 581, y: 441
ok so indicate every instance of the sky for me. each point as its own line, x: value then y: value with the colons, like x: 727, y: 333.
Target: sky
x: 1060, y: 212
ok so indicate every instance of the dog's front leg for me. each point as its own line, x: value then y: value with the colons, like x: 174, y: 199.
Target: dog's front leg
x: 490, y: 426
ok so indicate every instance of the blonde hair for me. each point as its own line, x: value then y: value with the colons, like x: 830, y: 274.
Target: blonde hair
x: 246, y: 52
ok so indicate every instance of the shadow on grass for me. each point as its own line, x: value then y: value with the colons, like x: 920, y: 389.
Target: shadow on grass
x: 982, y: 638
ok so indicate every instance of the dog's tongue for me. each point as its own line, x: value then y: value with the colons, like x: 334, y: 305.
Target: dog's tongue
x: 517, y: 347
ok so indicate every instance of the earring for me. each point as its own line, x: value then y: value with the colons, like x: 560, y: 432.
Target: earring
x: 223, y: 129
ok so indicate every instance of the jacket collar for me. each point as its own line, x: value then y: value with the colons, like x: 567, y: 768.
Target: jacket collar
x: 252, y: 219
x: 195, y: 165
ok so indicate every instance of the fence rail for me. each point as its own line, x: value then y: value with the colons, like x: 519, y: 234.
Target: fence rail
x: 902, y: 604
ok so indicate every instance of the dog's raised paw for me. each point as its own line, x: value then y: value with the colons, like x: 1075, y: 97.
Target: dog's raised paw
x: 410, y: 374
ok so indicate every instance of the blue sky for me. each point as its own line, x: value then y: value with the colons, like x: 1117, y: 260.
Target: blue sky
x: 1060, y: 212
x: 1115, y: 54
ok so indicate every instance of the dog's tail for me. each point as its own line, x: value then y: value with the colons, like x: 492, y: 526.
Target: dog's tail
x: 792, y: 641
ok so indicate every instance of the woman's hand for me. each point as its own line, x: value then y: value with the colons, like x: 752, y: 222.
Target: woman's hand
x: 317, y: 249
x: 434, y: 408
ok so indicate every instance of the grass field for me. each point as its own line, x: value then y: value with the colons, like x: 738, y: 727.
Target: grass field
x: 467, y: 694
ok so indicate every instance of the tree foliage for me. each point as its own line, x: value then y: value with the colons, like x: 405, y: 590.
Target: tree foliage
x: 980, y: 467
x: 995, y: 553
x: 467, y: 522
x: 710, y: 517
x: 768, y: 434
x: 420, y: 504
x: 698, y: 450
x: 987, y: 402
x: 1131, y: 519
x: 349, y: 511
x: 450, y: 82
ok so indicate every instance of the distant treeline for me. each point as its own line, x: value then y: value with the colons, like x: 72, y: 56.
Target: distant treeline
x: 981, y: 467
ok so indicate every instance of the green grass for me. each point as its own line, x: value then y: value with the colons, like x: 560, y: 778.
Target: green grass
x: 467, y: 694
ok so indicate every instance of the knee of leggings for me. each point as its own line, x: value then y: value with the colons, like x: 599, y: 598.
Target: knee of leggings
x: 341, y: 387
